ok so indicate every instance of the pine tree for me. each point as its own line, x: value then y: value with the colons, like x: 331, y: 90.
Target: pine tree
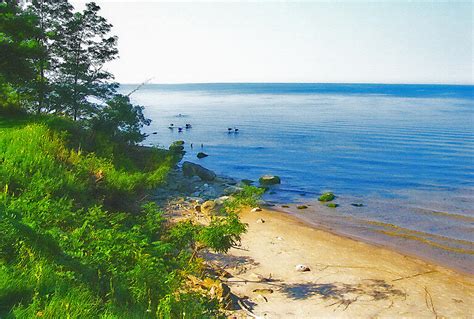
x: 18, y: 49
x: 52, y: 15
x: 84, y: 48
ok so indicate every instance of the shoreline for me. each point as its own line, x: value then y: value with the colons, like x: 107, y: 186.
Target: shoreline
x: 347, y: 277
x: 194, y: 188
x: 381, y: 242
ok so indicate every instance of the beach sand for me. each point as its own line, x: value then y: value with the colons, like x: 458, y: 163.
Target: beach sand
x: 347, y: 278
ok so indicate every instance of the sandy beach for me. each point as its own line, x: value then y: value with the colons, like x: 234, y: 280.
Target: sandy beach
x: 346, y: 278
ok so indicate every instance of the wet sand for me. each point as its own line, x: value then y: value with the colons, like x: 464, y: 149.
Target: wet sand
x: 347, y: 278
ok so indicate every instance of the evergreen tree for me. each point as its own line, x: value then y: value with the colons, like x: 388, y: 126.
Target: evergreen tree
x: 18, y: 49
x: 84, y: 48
x: 52, y: 16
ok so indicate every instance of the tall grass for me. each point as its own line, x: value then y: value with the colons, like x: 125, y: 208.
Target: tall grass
x: 76, y: 244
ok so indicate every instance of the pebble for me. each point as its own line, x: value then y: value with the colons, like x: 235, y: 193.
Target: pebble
x: 302, y: 268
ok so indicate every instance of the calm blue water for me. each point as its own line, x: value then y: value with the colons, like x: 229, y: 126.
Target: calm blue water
x: 405, y: 151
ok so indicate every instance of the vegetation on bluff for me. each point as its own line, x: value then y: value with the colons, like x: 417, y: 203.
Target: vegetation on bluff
x: 78, y: 239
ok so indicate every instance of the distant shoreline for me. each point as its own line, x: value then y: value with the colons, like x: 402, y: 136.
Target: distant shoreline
x: 304, y: 83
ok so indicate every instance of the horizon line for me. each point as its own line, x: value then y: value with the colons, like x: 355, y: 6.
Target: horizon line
x: 253, y: 82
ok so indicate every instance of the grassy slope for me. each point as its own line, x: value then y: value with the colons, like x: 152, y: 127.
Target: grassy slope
x: 65, y: 251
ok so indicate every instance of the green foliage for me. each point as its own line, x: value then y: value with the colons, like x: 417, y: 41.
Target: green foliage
x: 66, y: 252
x: 186, y: 306
x: 120, y: 120
x: 248, y: 197
x: 326, y: 197
x: 18, y: 49
x: 18, y: 46
x: 222, y: 233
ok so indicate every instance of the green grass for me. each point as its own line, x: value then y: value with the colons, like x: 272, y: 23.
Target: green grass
x: 77, y: 242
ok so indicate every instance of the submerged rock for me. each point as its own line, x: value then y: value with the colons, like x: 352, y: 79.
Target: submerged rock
x: 332, y: 205
x: 267, y: 180
x: 247, y: 182
x: 301, y: 206
x: 357, y: 204
x: 191, y: 169
x: 201, y: 155
x: 326, y: 197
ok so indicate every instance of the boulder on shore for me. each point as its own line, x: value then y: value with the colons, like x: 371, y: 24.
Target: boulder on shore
x: 232, y: 190
x: 211, y: 208
x: 191, y: 169
x: 266, y: 180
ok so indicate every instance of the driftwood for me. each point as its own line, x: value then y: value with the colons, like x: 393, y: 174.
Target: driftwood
x: 247, y: 311
x: 139, y: 86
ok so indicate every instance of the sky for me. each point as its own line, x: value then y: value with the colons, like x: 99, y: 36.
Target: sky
x: 319, y: 41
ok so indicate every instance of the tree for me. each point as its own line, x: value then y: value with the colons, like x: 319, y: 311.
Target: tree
x: 52, y: 16
x: 121, y: 120
x: 83, y: 50
x: 18, y: 49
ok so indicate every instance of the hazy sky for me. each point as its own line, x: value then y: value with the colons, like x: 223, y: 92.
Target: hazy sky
x: 331, y: 41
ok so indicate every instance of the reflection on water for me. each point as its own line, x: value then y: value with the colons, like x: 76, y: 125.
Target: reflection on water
x: 406, y: 152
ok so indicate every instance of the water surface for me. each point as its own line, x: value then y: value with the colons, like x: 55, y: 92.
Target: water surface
x: 406, y: 152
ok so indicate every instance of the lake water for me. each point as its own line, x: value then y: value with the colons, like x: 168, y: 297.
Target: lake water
x: 406, y: 152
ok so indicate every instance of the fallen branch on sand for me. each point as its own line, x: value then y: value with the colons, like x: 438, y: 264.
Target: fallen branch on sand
x: 247, y: 311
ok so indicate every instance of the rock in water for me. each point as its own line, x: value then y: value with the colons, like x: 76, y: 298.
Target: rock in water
x: 201, y: 155
x: 332, y: 205
x: 326, y: 197
x: 302, y: 268
x: 247, y: 182
x: 266, y: 180
x: 191, y: 169
x: 301, y: 206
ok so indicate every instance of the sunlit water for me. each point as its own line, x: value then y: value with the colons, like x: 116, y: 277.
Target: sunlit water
x: 406, y: 152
